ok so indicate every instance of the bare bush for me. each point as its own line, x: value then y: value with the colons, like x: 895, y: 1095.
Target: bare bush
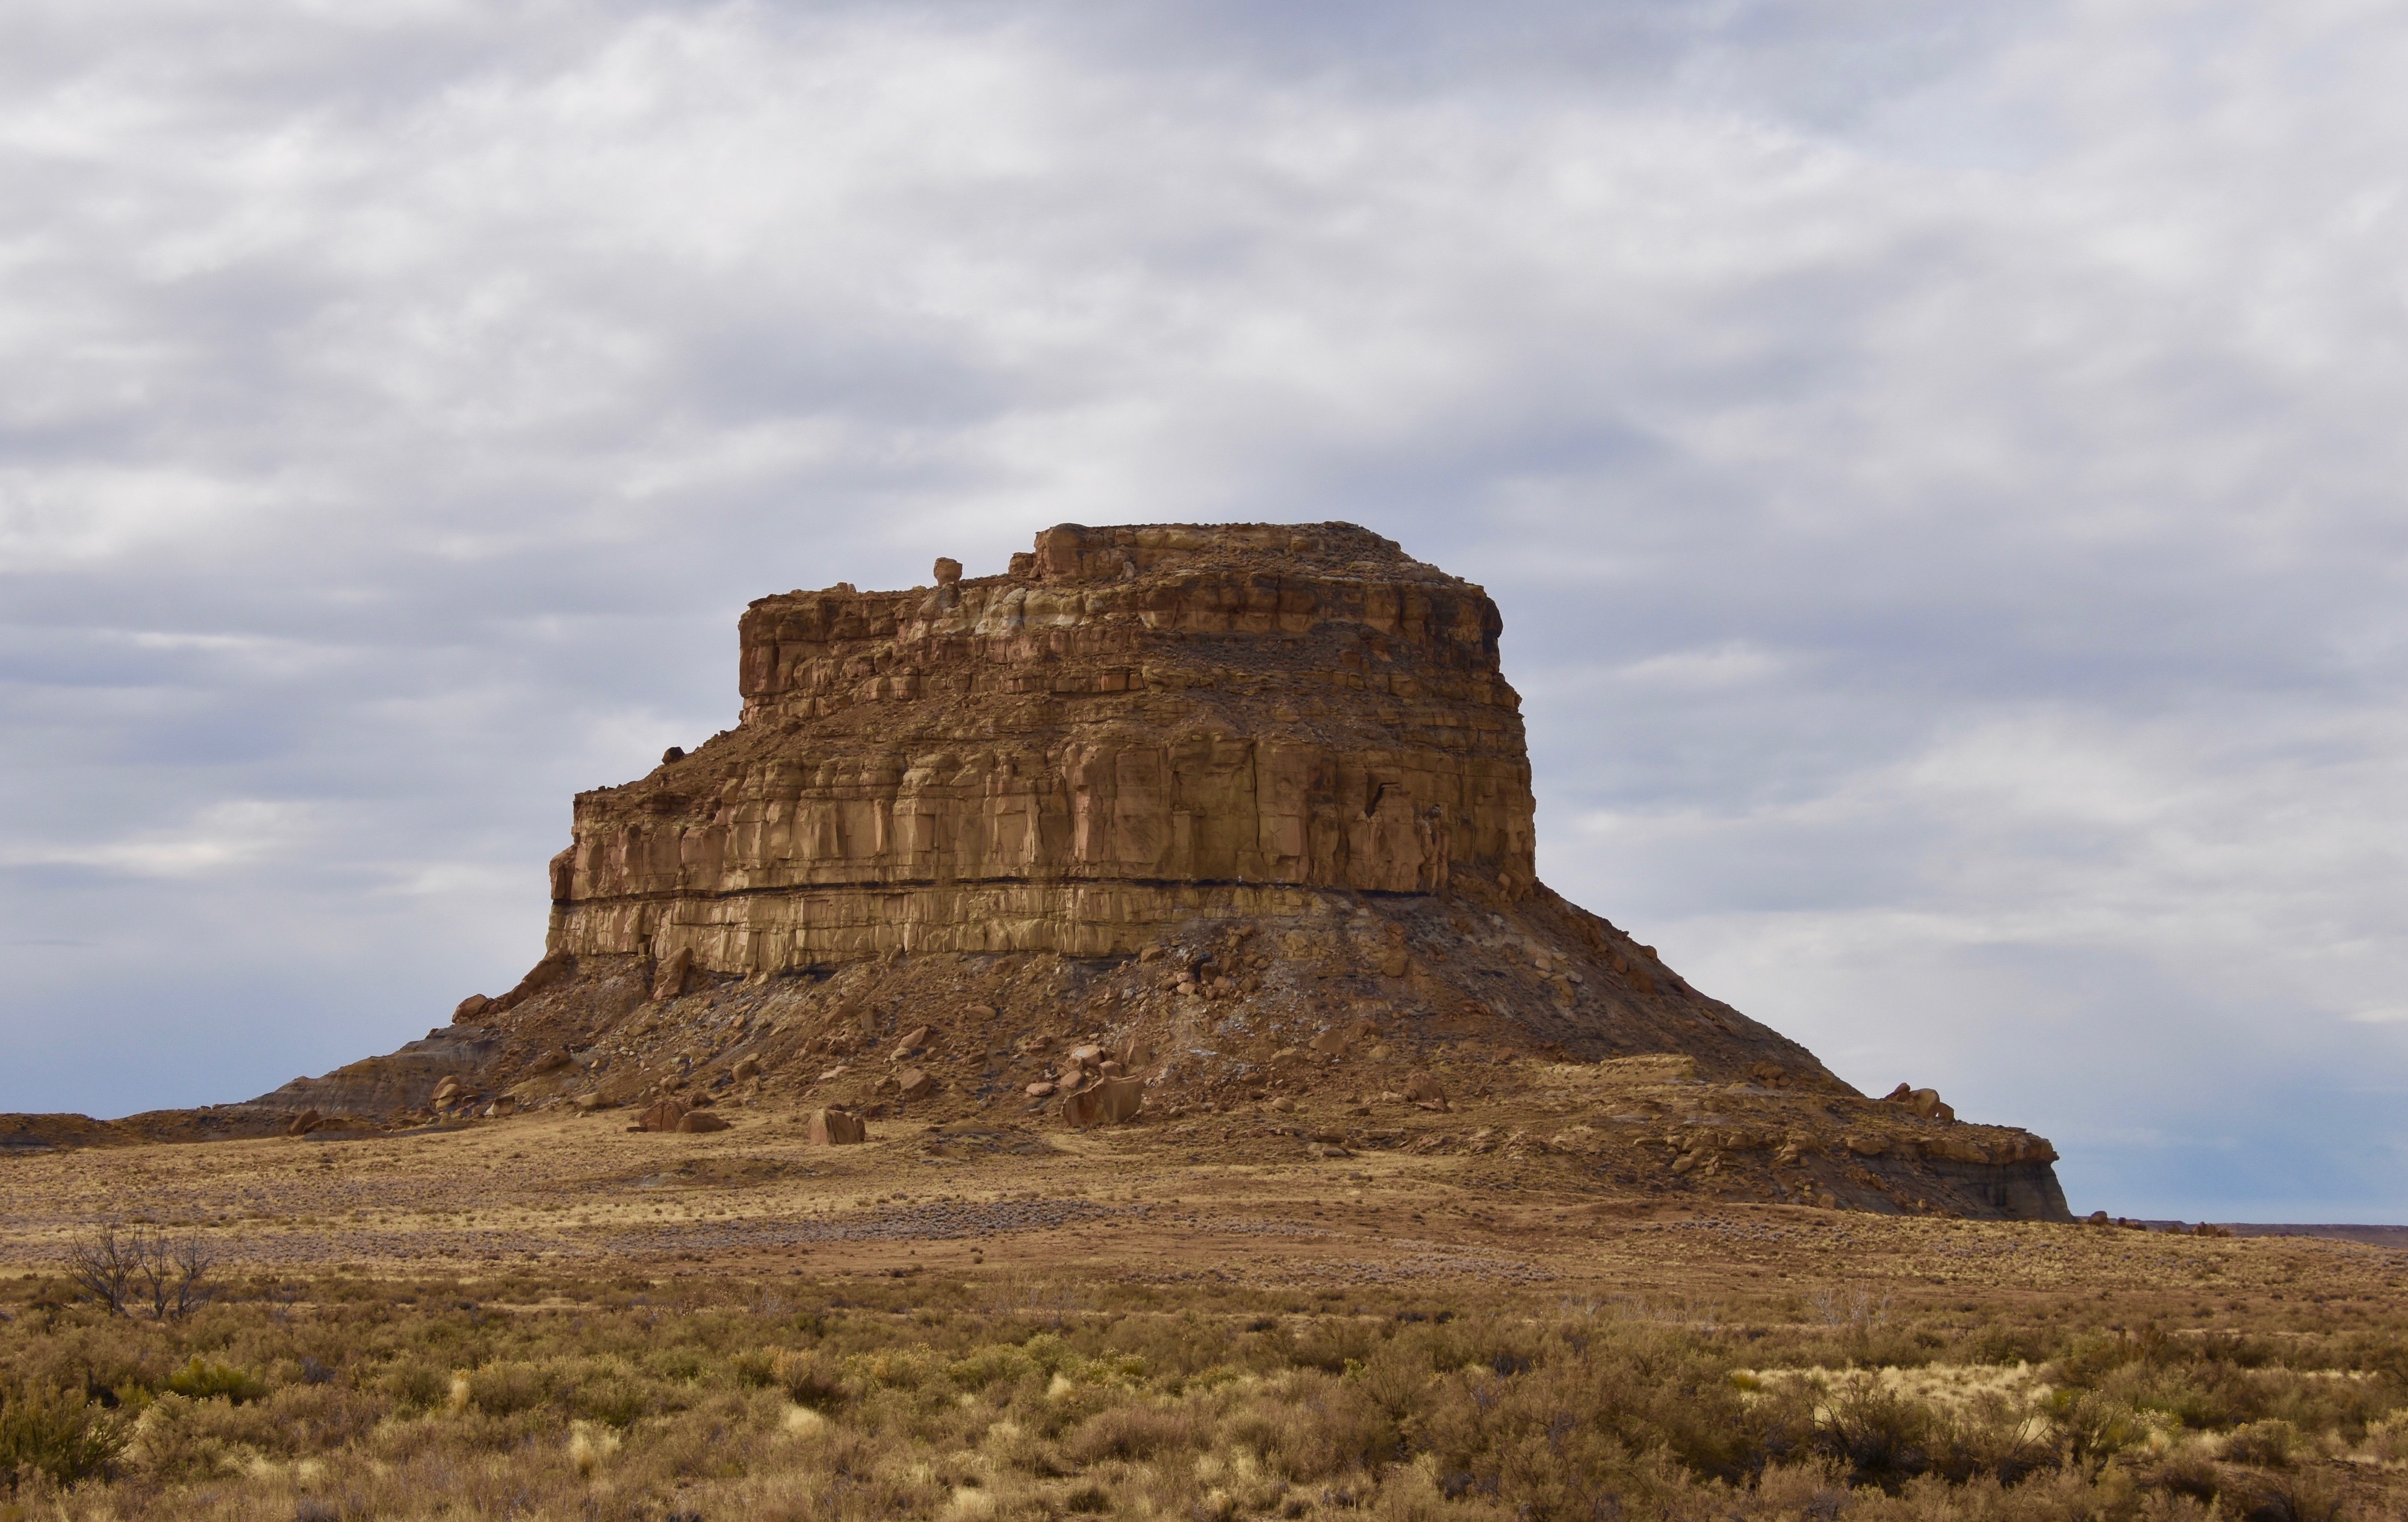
x: 123, y: 1271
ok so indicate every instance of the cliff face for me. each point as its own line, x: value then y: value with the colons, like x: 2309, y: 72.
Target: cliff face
x: 1133, y: 726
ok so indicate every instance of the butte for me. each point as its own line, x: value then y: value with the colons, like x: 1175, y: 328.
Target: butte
x: 1241, y: 810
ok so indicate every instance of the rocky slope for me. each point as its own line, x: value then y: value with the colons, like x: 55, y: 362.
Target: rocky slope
x: 1237, y: 817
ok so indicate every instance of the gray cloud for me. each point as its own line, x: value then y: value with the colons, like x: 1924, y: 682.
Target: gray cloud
x: 1939, y: 472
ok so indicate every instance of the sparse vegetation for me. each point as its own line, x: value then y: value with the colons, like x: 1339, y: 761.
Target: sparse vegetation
x: 960, y: 1398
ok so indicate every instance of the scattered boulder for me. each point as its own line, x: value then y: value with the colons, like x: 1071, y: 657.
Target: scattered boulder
x: 1925, y: 1102
x: 1866, y: 1144
x: 914, y: 1041
x: 470, y: 1008
x: 1042, y: 1089
x: 1425, y: 1091
x: 551, y: 1061
x: 590, y: 1101
x: 304, y: 1123
x: 837, y: 1129
x: 662, y: 1115
x: 746, y: 1069
x: 1337, y: 1039
x: 1107, y: 1101
x: 447, y: 1092
x: 913, y: 1084
x: 668, y: 979
x: 699, y: 1122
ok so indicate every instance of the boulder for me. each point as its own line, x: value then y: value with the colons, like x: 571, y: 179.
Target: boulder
x: 911, y: 1083
x: 1041, y: 1089
x: 837, y: 1129
x: 746, y: 1069
x: 662, y: 1115
x: 447, y: 1092
x: 698, y: 1122
x: 914, y: 1041
x: 1866, y: 1144
x: 1107, y: 1101
x: 1428, y: 1092
x: 304, y: 1123
x: 470, y: 1008
x: 669, y: 978
x: 1925, y: 1102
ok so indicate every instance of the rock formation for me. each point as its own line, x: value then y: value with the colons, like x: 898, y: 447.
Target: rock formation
x: 1163, y: 824
x: 1135, y: 727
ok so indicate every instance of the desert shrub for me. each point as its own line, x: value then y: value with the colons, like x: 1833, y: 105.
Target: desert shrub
x: 808, y: 1382
x: 2294, y: 1497
x: 205, y: 1380
x: 1134, y: 1432
x: 993, y: 1361
x: 56, y: 1433
x: 2089, y: 1428
x: 611, y: 1396
x: 416, y: 1387
x: 509, y: 1389
x: 2269, y: 1444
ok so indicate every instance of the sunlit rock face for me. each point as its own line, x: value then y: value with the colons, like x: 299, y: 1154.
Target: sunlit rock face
x: 1131, y: 727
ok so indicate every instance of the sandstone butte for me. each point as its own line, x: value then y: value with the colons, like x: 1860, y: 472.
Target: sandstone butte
x: 1235, y: 819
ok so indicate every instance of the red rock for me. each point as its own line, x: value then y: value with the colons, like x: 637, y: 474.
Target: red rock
x: 837, y: 1129
x: 1107, y: 1101
x: 663, y: 1115
x: 668, y: 979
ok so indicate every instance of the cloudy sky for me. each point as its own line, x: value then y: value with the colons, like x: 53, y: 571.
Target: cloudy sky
x: 1941, y: 466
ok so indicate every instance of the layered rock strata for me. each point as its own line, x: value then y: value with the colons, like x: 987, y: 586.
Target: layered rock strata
x: 1133, y: 727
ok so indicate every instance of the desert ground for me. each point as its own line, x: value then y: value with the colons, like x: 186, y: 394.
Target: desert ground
x: 547, y: 1316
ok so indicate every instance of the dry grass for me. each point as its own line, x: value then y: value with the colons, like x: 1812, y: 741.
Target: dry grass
x: 538, y: 1398
x: 552, y: 1319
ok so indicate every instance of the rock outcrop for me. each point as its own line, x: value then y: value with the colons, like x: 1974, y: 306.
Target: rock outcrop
x: 1135, y: 726
x: 1164, y: 822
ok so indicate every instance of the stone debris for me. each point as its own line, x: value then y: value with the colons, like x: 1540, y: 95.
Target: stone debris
x: 662, y: 1115
x: 837, y: 1129
x: 668, y: 982
x: 1105, y: 1101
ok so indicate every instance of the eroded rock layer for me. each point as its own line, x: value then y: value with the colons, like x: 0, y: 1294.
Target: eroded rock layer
x: 1133, y: 727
